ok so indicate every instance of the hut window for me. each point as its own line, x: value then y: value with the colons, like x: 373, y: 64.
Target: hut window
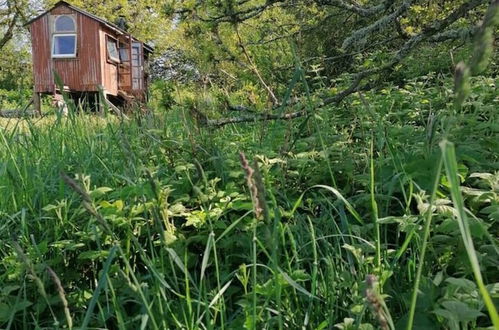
x: 123, y: 52
x: 112, y: 50
x: 64, y: 45
x: 65, y: 23
x: 64, y: 37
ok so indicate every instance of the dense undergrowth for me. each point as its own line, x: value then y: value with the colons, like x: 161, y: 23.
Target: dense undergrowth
x: 150, y: 222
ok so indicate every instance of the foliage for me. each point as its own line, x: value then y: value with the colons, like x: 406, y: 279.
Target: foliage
x: 161, y: 232
x: 142, y: 18
x: 350, y: 216
x: 15, y: 85
x: 238, y: 44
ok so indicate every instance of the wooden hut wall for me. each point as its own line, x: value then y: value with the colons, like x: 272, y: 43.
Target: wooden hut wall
x: 109, y: 69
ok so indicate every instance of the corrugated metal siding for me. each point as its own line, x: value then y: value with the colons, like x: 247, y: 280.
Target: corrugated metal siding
x: 82, y: 73
x: 42, y: 64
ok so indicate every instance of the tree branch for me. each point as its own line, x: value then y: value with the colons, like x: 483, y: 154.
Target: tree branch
x: 414, y: 41
x: 455, y: 34
x: 10, y: 31
x: 255, y: 70
x: 256, y: 118
x: 243, y: 15
x: 356, y: 8
x: 361, y: 35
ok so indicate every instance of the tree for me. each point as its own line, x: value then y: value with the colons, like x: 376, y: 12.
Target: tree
x: 365, y: 43
x: 143, y: 18
x: 13, y: 14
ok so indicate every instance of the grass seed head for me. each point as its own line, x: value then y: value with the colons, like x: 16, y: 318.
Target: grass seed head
x: 62, y: 296
x: 250, y: 181
x: 375, y: 301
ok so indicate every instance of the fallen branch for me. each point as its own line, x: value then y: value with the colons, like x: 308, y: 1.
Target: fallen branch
x: 17, y: 113
x: 239, y: 108
x: 256, y: 118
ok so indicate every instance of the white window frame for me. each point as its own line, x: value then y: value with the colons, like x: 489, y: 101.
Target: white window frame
x: 109, y: 57
x: 55, y: 35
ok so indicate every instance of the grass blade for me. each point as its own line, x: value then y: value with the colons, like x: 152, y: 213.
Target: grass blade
x: 343, y: 199
x: 449, y: 156
x: 100, y: 285
x: 426, y: 234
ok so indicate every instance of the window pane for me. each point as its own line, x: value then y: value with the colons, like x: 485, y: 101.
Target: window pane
x: 112, y: 50
x: 64, y: 45
x: 136, y: 84
x: 65, y: 24
x: 123, y: 53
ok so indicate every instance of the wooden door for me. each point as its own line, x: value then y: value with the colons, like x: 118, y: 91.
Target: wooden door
x: 124, y: 69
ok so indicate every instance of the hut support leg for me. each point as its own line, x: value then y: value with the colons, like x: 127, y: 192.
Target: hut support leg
x: 37, y: 103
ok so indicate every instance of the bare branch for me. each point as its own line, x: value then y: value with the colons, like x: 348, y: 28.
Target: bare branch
x: 256, y: 118
x: 360, y: 36
x: 243, y: 15
x: 255, y: 69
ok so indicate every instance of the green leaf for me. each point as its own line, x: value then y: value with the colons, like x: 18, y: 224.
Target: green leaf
x: 461, y: 311
x: 93, y: 255
x: 100, y: 285
x: 462, y: 283
x: 297, y: 286
x: 451, y: 168
x: 99, y: 192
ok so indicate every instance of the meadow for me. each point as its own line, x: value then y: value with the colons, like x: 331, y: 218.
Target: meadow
x: 332, y: 222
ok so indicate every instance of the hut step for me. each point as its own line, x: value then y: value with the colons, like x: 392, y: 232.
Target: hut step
x: 115, y: 109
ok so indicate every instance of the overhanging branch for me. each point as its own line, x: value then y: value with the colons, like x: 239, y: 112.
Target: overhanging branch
x: 434, y: 32
x: 357, y: 9
x: 10, y: 31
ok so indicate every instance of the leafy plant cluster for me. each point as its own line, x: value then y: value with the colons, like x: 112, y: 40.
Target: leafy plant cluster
x: 157, y: 223
x: 358, y: 213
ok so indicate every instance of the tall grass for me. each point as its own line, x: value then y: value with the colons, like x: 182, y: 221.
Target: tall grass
x: 152, y: 222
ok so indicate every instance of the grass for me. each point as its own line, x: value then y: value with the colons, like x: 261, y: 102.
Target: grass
x: 154, y: 223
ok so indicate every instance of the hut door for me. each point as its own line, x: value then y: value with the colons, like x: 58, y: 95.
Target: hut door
x: 137, y: 66
x: 124, y: 71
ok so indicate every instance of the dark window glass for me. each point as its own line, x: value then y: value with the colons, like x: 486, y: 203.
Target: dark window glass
x: 64, y: 45
x: 124, y: 53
